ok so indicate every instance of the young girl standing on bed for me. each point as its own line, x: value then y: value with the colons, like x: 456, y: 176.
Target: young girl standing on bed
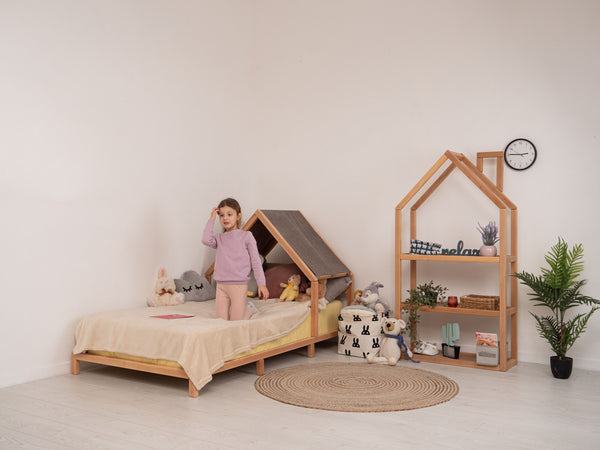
x: 236, y: 255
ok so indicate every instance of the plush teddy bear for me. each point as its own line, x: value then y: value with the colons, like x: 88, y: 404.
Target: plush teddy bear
x: 292, y: 288
x: 370, y: 298
x: 164, y: 291
x: 392, y: 344
x: 322, y: 290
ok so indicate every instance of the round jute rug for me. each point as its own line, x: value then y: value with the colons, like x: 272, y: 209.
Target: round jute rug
x: 356, y: 387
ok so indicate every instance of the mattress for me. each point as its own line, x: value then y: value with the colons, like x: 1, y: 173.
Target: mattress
x: 200, y: 344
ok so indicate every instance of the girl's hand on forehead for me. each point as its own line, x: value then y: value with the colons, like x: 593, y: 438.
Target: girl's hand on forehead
x: 214, y: 213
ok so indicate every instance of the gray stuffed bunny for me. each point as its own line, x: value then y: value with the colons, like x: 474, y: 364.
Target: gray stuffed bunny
x: 370, y: 298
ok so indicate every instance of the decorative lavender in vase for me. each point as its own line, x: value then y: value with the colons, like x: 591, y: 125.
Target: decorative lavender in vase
x: 489, y: 236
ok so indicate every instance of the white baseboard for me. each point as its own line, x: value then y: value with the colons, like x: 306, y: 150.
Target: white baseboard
x: 578, y: 362
x: 12, y: 377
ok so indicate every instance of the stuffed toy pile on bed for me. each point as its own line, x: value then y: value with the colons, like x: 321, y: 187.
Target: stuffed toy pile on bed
x: 278, y: 276
x: 191, y: 287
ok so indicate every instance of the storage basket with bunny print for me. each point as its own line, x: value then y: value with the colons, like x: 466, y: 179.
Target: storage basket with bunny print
x: 360, y: 331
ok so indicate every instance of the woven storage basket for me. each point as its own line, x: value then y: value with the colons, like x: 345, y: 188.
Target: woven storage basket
x: 475, y: 301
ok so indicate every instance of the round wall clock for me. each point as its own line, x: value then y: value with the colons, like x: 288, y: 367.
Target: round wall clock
x: 520, y: 154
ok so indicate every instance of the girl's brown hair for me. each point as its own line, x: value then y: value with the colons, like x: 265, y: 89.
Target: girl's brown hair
x: 233, y: 204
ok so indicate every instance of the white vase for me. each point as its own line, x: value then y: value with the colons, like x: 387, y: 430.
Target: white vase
x: 488, y: 250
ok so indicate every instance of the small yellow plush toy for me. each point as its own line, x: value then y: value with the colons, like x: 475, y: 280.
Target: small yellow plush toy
x: 292, y: 288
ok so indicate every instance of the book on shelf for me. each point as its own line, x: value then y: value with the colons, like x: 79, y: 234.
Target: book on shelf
x: 489, y: 339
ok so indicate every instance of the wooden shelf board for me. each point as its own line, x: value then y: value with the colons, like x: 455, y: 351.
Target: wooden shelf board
x: 463, y: 311
x: 455, y: 258
x: 465, y: 360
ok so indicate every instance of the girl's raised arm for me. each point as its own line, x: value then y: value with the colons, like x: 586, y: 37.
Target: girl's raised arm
x: 208, y: 236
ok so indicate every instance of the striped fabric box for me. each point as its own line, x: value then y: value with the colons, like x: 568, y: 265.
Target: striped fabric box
x: 424, y: 248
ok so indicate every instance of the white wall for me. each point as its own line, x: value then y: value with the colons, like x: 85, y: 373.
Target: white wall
x: 359, y: 99
x: 119, y: 120
x: 124, y: 122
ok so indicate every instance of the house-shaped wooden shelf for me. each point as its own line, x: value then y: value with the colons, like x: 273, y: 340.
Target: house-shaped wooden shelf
x: 304, y: 245
x: 507, y: 314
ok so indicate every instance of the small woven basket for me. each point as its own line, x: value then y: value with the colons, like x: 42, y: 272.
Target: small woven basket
x: 475, y: 301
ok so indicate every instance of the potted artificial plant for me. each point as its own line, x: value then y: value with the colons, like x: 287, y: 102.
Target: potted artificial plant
x: 426, y: 294
x: 559, y: 290
x: 489, y: 237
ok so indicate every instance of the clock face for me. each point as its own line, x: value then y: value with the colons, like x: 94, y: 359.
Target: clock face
x: 520, y: 154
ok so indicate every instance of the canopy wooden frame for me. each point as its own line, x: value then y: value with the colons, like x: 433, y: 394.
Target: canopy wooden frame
x: 508, y: 220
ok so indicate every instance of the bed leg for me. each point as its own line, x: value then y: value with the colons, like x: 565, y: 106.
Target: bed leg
x: 260, y: 367
x: 311, y: 350
x: 193, y: 392
x: 74, y: 365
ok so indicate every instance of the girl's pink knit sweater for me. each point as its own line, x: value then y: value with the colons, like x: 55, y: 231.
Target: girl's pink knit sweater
x: 236, y: 255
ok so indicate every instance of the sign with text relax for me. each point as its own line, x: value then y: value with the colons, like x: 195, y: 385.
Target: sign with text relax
x: 459, y: 251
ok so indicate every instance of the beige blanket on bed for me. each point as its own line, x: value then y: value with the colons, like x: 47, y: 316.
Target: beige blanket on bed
x: 200, y: 344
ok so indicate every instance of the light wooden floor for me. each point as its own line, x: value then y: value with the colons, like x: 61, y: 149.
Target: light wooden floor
x: 113, y: 408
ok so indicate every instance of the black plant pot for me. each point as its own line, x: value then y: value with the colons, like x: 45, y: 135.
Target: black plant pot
x: 451, y: 351
x: 561, y: 368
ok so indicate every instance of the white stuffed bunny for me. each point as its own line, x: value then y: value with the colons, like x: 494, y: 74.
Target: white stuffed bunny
x: 164, y: 291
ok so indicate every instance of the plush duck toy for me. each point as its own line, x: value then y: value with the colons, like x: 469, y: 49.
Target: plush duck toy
x: 292, y: 288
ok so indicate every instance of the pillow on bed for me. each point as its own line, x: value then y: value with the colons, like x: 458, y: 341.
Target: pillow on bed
x: 335, y: 286
x: 194, y: 287
x: 280, y: 274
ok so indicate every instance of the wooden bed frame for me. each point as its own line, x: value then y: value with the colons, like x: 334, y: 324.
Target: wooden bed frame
x: 292, y: 231
x: 178, y: 372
